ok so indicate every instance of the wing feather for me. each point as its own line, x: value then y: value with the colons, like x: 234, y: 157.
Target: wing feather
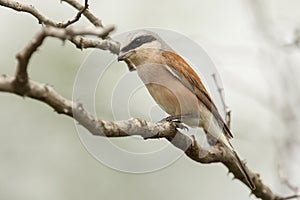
x: 192, y: 81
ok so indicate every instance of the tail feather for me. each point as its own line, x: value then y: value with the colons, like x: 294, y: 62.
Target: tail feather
x: 242, y: 169
x: 225, y: 140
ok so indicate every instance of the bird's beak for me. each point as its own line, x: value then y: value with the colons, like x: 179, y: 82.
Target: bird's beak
x: 123, y: 55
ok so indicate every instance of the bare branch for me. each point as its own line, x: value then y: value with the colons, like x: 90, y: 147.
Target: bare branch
x: 24, y: 56
x: 101, y: 32
x: 28, y: 9
x: 90, y: 16
x: 76, y: 18
x: 296, y: 40
x: 21, y: 81
x: 107, y: 44
x: 292, y: 197
x: 44, y: 20
x: 285, y: 180
x: 284, y: 79
x: 147, y: 130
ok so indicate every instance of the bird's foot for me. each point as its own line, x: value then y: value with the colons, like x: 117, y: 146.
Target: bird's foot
x: 176, y: 119
x: 172, y: 118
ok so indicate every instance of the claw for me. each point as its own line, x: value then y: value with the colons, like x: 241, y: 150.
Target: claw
x: 181, y: 125
x: 176, y: 119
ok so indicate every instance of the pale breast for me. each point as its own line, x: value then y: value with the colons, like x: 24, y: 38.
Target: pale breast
x: 168, y: 91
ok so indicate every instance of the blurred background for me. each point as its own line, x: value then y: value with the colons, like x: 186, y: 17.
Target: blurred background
x: 255, y: 47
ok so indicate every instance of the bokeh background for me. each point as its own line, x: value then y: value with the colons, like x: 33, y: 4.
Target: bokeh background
x: 255, y: 46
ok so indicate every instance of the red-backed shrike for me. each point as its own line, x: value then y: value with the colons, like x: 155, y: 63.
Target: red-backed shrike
x: 176, y: 87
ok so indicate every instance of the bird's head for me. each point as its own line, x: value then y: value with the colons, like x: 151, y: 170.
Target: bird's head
x: 140, y: 47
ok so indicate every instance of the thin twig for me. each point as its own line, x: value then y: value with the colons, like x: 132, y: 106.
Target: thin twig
x: 76, y: 18
x: 24, y: 56
x: 283, y: 179
x: 46, y: 21
x: 21, y: 82
x: 28, y: 9
x: 286, y: 83
x: 291, y: 197
x: 90, y: 16
x: 225, y: 107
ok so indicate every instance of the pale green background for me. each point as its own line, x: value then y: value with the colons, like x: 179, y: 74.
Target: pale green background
x: 41, y: 156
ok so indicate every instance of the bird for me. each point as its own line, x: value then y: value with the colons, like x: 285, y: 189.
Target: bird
x: 177, y: 88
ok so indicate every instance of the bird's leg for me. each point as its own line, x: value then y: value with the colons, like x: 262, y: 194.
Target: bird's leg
x: 177, y: 120
x: 173, y: 118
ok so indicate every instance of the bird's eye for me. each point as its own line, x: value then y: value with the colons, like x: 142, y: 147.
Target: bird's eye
x: 137, y: 41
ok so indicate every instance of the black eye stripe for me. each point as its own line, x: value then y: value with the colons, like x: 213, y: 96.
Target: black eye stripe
x: 138, y: 42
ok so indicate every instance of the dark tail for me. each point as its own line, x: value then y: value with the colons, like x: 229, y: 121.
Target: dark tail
x: 241, y: 167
